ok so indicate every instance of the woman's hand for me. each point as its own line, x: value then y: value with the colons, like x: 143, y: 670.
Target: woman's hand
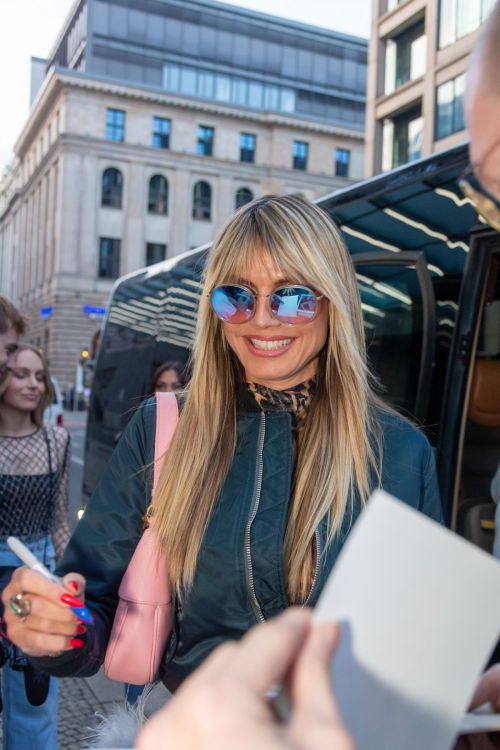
x: 223, y: 705
x: 50, y: 627
x: 488, y: 689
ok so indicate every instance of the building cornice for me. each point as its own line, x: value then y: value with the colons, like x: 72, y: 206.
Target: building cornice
x: 210, y: 166
x: 59, y: 79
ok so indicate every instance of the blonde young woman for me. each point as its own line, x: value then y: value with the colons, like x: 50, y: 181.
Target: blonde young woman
x: 279, y: 443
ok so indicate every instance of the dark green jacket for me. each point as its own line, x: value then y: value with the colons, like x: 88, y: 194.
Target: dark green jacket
x: 240, y: 577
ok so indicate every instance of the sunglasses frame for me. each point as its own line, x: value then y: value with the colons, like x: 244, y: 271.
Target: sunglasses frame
x: 256, y: 296
x: 485, y: 203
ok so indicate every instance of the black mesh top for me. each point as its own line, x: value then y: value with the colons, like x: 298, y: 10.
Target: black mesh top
x: 34, y: 475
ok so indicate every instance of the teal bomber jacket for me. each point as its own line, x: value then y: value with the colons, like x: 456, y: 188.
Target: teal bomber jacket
x: 240, y: 576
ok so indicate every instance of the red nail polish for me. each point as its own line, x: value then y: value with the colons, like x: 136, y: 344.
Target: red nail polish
x: 76, y: 643
x: 81, y: 629
x: 74, y: 584
x: 71, y: 600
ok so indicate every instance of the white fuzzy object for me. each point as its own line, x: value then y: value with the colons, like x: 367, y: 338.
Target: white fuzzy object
x: 119, y: 729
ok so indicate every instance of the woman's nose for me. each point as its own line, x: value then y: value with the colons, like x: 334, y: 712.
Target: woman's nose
x: 263, y: 316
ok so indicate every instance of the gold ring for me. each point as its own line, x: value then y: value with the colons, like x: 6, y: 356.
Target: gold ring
x: 20, y: 606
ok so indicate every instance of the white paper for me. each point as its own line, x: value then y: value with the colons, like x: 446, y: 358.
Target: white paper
x: 483, y: 719
x: 420, y: 614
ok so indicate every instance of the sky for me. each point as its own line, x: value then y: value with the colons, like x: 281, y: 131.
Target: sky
x: 29, y: 28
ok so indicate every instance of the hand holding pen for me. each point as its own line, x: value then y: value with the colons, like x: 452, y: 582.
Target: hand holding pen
x: 42, y: 613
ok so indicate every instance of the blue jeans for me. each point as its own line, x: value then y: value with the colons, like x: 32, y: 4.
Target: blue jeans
x: 26, y: 727
x: 133, y: 693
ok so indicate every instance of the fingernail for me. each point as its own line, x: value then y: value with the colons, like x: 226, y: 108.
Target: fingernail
x: 81, y: 629
x: 71, y: 600
x: 74, y: 584
x: 76, y: 643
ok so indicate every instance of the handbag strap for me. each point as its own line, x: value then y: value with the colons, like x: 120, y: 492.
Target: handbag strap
x: 167, y: 416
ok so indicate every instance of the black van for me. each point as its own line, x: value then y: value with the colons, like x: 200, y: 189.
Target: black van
x: 428, y: 270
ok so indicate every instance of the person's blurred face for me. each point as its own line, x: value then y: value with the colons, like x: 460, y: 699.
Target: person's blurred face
x: 168, y: 381
x: 26, y: 384
x: 272, y: 353
x: 483, y: 124
x: 8, y: 345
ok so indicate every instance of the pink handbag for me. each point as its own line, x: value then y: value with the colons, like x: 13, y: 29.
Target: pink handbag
x: 143, y: 619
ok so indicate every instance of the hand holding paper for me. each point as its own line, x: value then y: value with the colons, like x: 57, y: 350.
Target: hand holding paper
x: 418, y: 624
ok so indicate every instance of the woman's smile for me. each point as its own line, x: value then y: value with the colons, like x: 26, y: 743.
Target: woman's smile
x: 273, y: 346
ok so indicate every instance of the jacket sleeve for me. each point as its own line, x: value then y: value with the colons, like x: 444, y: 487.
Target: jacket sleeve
x: 105, y: 539
x: 430, y: 500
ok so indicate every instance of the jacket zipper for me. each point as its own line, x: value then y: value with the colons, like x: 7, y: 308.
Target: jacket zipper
x: 259, y: 467
x: 316, y: 567
x: 255, y: 506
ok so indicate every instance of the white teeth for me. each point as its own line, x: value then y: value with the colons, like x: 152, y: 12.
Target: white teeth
x: 260, y: 344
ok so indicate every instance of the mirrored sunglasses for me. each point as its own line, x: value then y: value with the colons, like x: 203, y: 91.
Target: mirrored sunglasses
x: 291, y: 305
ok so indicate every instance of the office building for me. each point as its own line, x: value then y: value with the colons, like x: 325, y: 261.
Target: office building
x: 416, y: 76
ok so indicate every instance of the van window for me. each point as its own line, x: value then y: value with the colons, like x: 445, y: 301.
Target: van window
x: 399, y: 314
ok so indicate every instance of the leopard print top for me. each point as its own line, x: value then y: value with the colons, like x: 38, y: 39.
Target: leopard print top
x: 296, y: 400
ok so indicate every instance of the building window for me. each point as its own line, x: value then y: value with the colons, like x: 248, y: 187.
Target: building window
x: 342, y: 158
x: 155, y: 253
x: 202, y: 201
x: 405, y: 57
x: 247, y: 147
x: 402, y: 139
x: 243, y: 195
x: 161, y: 132
x: 449, y: 107
x: 393, y: 4
x: 158, y: 195
x: 109, y: 258
x: 227, y: 88
x: 112, y: 188
x: 205, y: 143
x: 115, y: 125
x: 460, y: 17
x: 299, y: 153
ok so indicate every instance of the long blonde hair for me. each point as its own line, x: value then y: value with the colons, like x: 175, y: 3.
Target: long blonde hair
x: 335, y: 448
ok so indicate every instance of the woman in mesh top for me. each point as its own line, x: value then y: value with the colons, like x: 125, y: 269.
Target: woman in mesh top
x: 34, y: 466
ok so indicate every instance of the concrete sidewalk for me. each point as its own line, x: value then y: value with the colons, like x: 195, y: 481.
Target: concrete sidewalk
x: 80, y: 702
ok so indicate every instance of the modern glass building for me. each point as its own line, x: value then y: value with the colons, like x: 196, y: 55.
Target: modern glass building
x: 222, y: 53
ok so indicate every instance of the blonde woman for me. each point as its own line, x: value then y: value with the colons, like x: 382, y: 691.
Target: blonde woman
x: 279, y: 443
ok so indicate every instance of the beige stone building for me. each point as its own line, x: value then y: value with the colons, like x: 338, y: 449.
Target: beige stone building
x: 416, y: 75
x: 116, y: 169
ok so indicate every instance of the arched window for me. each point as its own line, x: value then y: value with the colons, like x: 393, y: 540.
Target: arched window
x: 202, y: 201
x: 158, y: 195
x: 112, y: 188
x: 243, y: 195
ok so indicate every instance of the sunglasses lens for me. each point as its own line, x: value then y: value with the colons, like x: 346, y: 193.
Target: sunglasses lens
x: 232, y: 303
x: 294, y: 305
